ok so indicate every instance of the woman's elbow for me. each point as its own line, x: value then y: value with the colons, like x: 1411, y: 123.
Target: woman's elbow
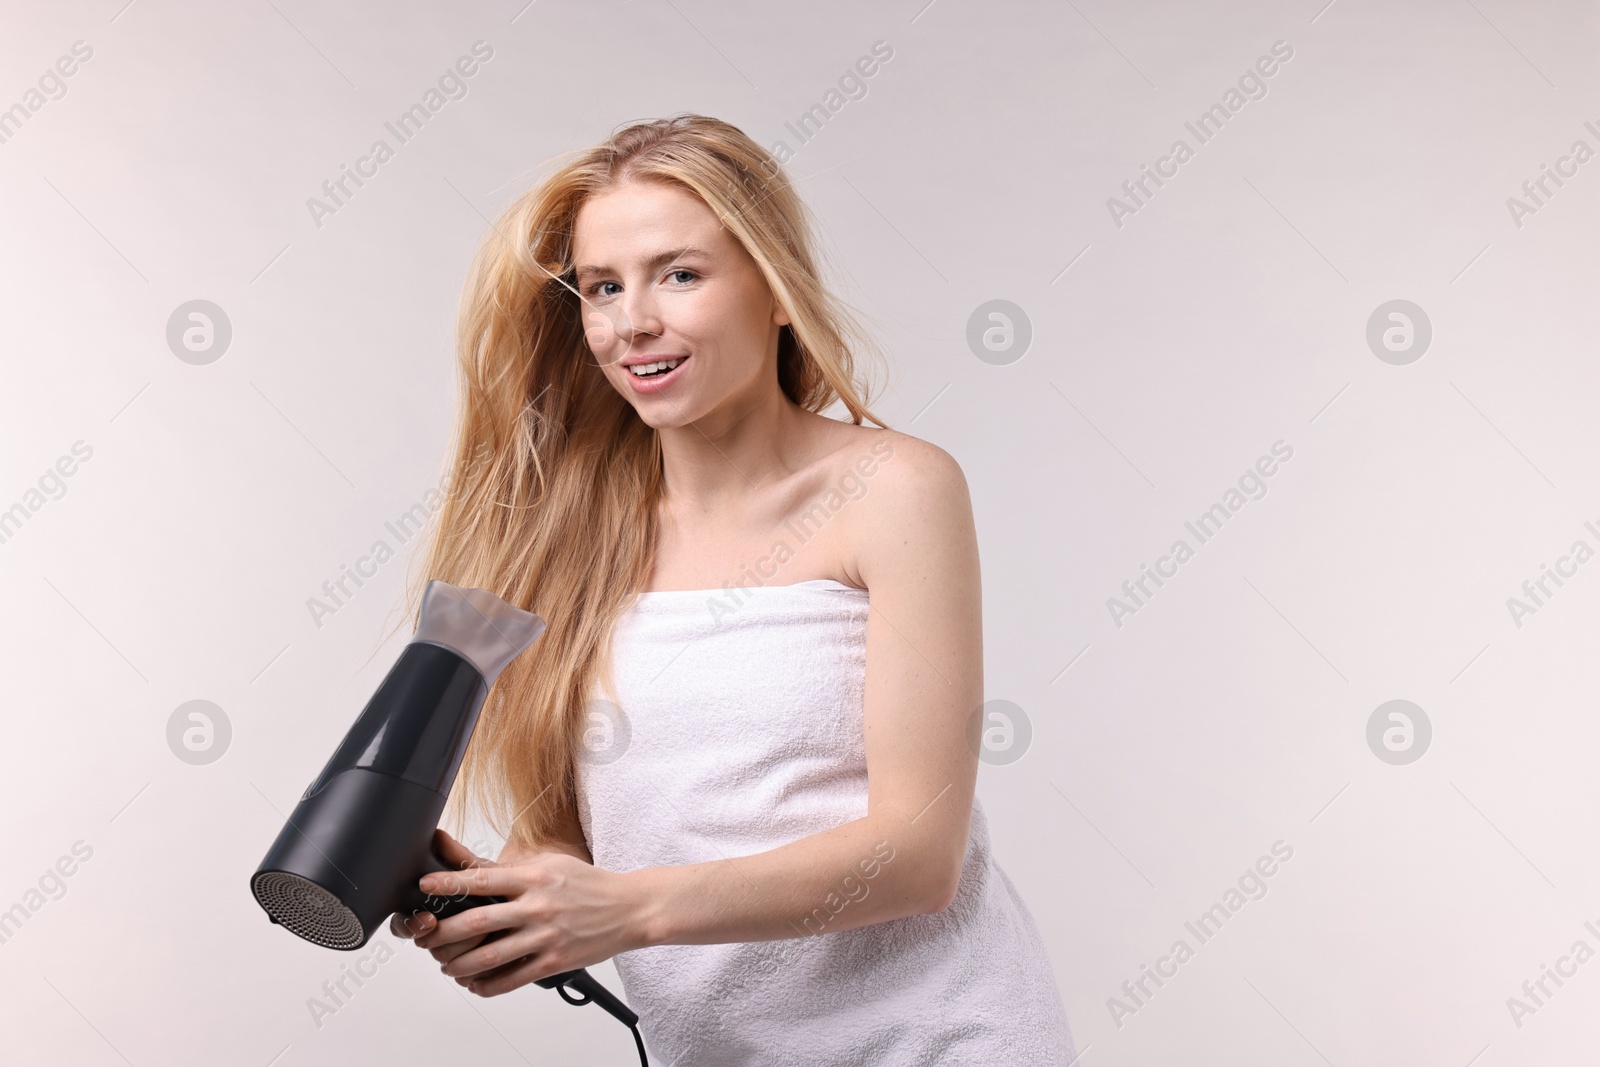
x: 943, y: 887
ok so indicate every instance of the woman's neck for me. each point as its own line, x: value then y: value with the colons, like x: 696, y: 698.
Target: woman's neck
x: 728, y: 456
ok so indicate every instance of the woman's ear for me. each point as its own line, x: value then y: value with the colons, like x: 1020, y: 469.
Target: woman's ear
x: 780, y: 317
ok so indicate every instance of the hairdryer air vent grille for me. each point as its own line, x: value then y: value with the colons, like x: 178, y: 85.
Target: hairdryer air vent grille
x: 307, y: 909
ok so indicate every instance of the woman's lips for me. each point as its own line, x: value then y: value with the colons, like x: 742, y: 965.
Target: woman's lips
x: 658, y: 382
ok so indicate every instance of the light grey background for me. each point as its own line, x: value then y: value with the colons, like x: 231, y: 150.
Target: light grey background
x: 1169, y: 353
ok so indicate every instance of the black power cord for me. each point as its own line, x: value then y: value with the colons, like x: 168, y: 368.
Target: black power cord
x: 593, y: 991
x: 578, y: 980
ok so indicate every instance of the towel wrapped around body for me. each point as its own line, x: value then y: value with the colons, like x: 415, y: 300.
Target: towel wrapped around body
x: 736, y: 728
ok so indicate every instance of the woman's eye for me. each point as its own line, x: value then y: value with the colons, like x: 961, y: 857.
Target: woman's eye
x: 595, y: 288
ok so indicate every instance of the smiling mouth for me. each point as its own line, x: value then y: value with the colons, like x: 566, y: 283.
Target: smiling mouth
x: 647, y: 371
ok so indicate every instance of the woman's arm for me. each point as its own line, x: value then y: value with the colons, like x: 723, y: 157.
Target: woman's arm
x: 918, y: 556
x: 569, y: 841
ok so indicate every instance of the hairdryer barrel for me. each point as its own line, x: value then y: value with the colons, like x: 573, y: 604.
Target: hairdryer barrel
x: 361, y: 836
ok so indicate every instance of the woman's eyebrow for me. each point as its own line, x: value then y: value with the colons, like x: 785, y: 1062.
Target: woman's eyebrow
x: 657, y: 260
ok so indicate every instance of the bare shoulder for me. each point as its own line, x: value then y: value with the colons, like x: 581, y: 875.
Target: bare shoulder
x: 915, y: 507
x: 892, y: 458
x: 909, y: 468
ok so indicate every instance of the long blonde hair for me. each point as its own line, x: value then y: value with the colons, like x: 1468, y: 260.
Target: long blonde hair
x: 550, y: 501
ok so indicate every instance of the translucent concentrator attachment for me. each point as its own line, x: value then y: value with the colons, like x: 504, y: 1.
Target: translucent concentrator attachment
x: 476, y: 625
x: 418, y: 723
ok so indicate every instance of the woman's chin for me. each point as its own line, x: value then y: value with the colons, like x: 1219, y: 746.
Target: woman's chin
x: 660, y: 416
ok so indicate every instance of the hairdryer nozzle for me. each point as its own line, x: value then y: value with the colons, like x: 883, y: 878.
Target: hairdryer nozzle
x: 486, y: 631
x: 307, y: 909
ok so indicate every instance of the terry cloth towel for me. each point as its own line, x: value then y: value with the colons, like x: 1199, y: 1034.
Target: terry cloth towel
x: 738, y: 729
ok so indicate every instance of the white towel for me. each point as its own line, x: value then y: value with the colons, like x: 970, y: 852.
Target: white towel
x: 743, y: 732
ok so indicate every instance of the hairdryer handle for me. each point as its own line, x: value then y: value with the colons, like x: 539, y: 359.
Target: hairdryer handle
x: 584, y: 982
x: 580, y: 980
x: 444, y: 906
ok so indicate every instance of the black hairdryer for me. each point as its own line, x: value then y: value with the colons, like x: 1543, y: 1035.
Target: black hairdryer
x: 361, y: 837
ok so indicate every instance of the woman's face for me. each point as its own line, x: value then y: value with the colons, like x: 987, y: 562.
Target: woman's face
x: 662, y: 280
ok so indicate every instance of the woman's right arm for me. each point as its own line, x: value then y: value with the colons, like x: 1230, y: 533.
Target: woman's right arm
x: 514, y: 853
x: 569, y: 840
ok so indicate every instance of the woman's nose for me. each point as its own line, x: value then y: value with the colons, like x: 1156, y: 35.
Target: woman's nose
x: 638, y: 315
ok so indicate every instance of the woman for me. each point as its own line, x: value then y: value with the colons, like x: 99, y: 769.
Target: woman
x: 741, y: 760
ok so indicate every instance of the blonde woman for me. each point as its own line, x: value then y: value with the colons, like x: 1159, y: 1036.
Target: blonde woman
x: 741, y: 760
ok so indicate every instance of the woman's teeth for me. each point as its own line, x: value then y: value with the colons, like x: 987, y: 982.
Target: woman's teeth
x: 646, y: 370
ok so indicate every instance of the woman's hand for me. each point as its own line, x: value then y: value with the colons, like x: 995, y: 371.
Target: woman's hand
x: 560, y: 914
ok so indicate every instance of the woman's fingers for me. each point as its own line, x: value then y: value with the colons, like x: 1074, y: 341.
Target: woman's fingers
x: 457, y: 858
x: 411, y: 926
x: 487, y: 878
x: 472, y: 923
x: 513, y: 975
x: 485, y: 959
x: 415, y: 928
x: 445, y: 953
